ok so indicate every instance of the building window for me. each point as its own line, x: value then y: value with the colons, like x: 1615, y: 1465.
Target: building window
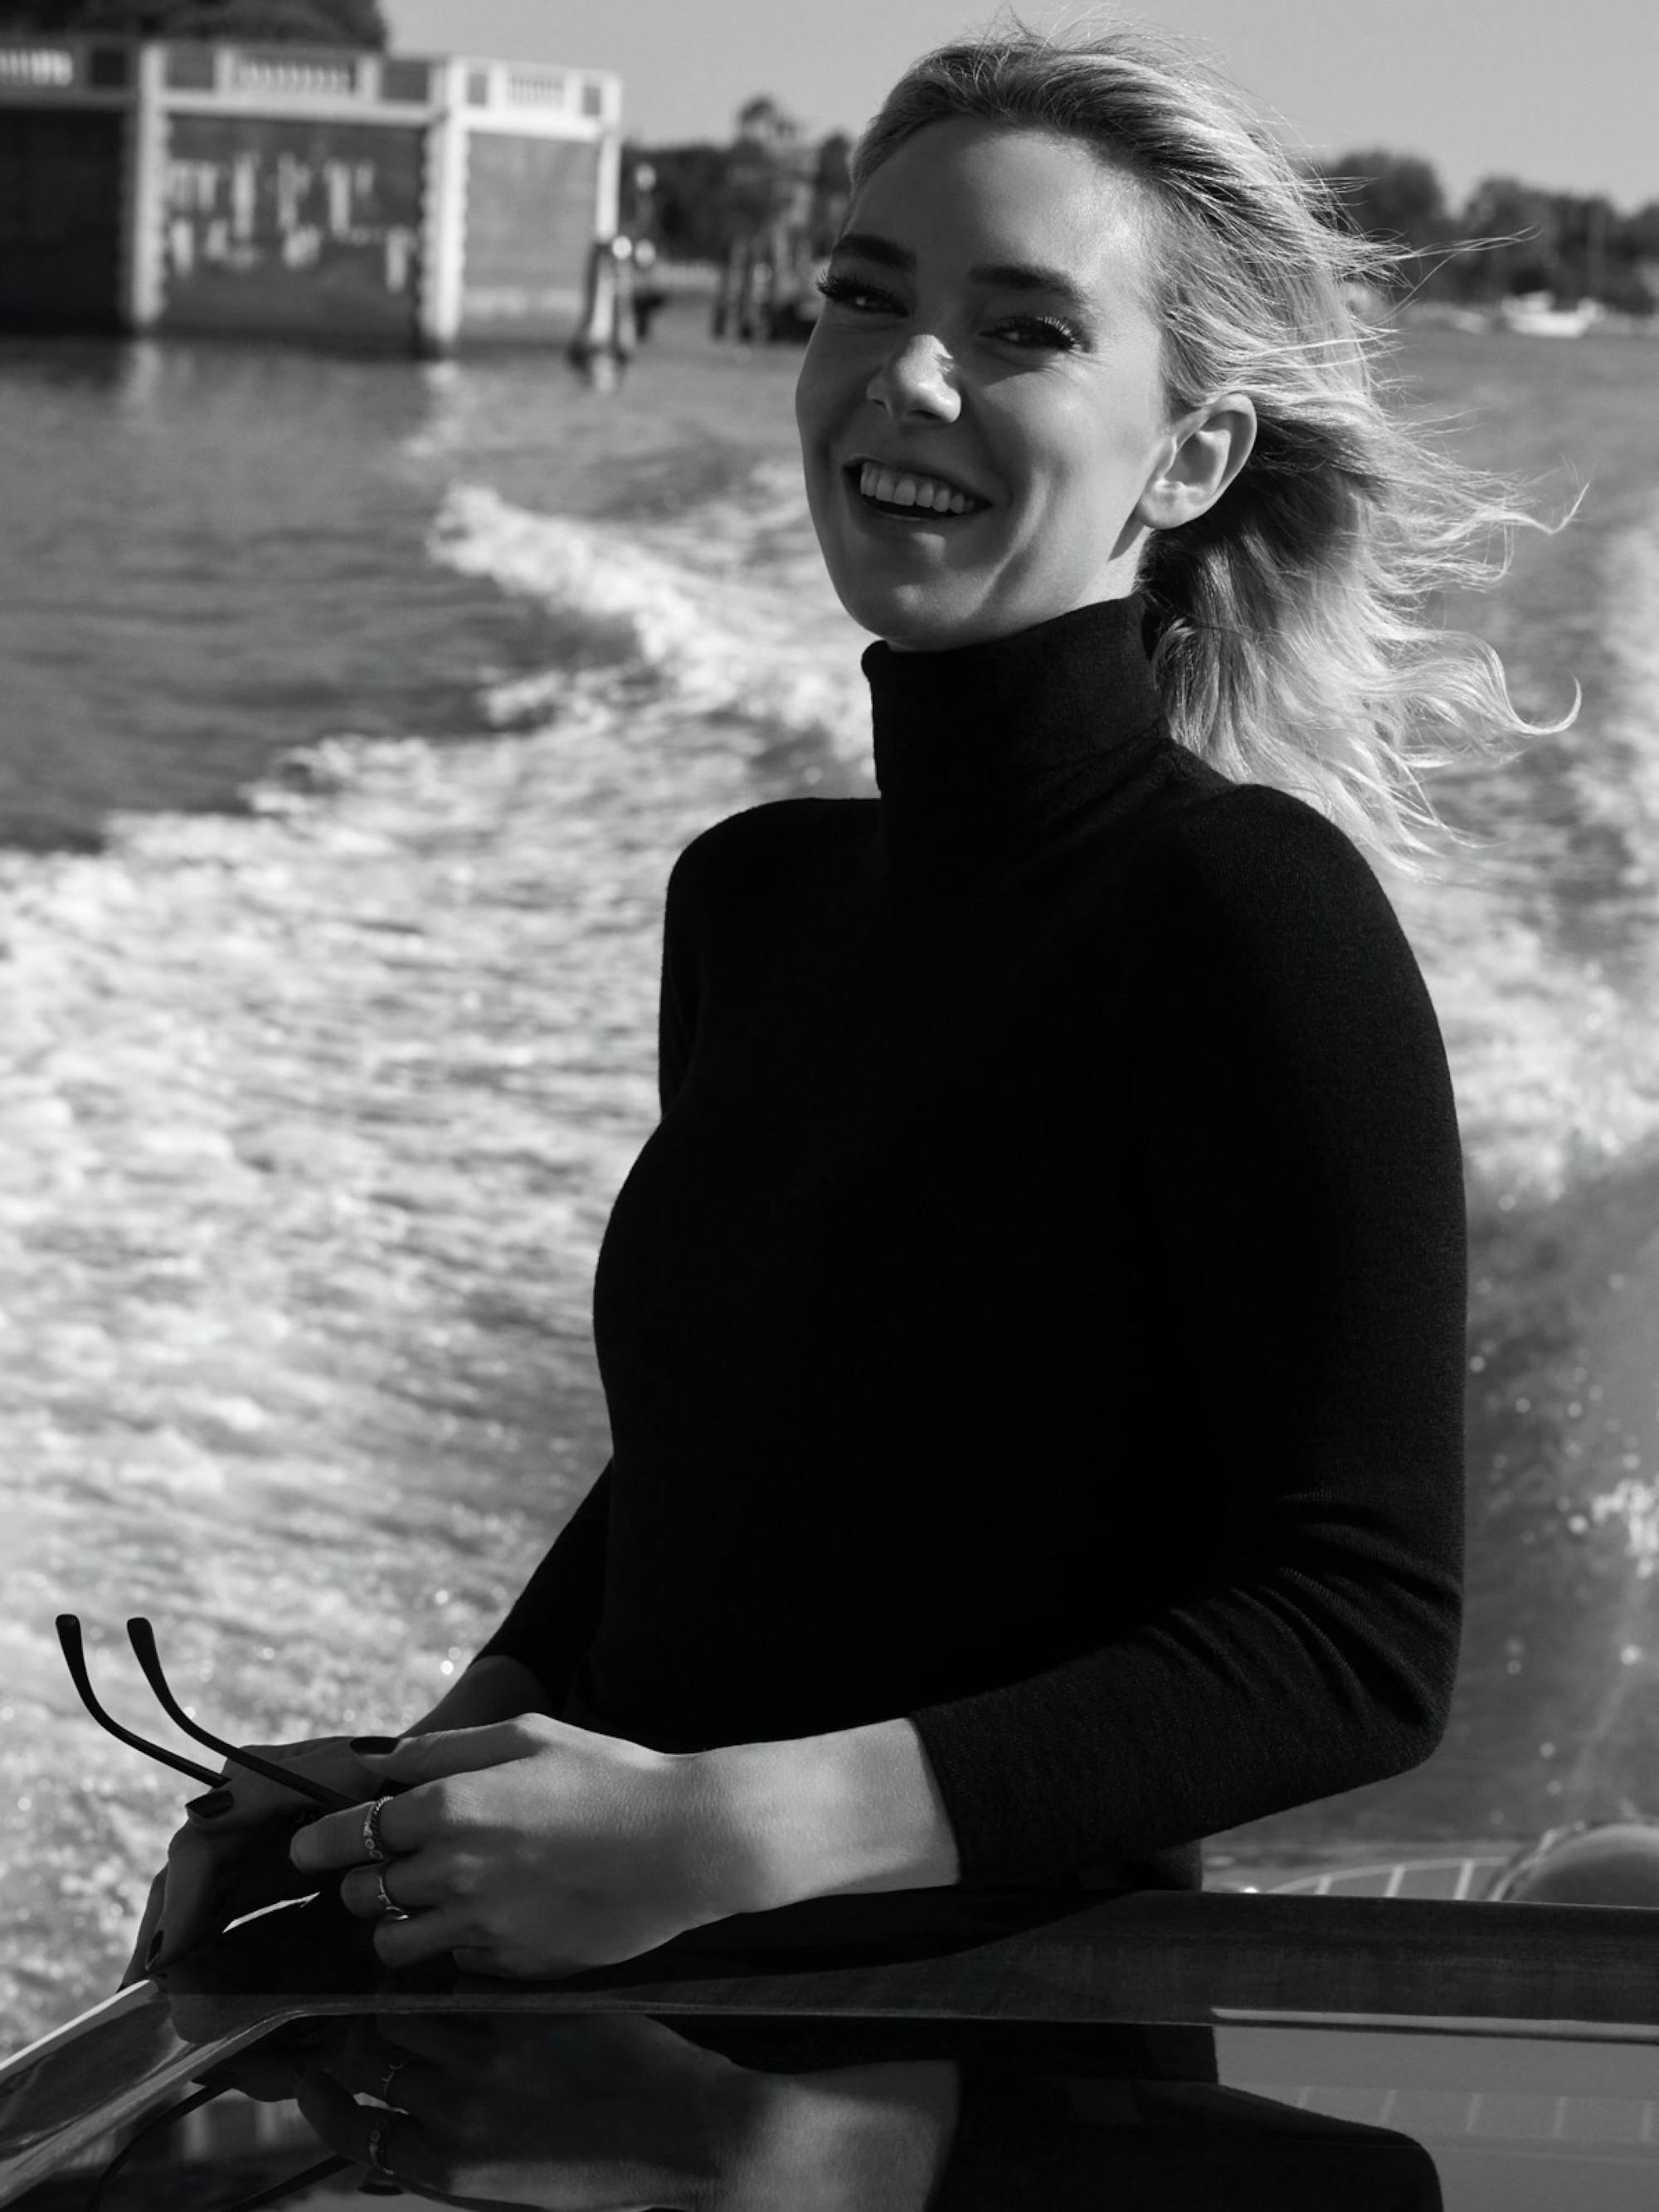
x: 593, y: 98
x: 407, y: 81
x: 43, y: 69
x: 109, y: 69
x: 190, y: 68
x: 477, y: 88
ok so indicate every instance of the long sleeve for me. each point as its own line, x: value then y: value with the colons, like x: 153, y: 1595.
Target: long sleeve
x: 554, y: 1619
x: 1304, y: 1246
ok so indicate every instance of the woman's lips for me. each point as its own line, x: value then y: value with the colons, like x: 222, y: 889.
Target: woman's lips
x: 863, y: 476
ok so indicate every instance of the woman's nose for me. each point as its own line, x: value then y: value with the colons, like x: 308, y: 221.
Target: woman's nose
x: 916, y: 379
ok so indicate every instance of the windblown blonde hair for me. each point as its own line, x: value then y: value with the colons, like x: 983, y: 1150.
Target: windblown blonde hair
x: 1294, y: 642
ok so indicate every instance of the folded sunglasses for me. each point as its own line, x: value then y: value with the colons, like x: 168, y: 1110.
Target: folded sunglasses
x: 141, y: 1636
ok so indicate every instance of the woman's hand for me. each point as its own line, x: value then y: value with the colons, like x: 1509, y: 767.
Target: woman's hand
x: 229, y: 1859
x: 589, y: 2112
x: 531, y: 1848
x: 230, y: 1856
x: 498, y: 2108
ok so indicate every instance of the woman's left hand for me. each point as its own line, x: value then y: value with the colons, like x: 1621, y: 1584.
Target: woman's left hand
x: 529, y: 1849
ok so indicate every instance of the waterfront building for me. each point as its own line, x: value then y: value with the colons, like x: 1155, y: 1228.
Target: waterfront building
x: 408, y: 202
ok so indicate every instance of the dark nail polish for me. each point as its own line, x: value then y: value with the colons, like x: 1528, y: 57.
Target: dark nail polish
x: 155, y: 1948
x: 211, y: 1807
x: 372, y: 1743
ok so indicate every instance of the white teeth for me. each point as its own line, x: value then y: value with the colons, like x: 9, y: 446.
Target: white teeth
x: 926, y: 492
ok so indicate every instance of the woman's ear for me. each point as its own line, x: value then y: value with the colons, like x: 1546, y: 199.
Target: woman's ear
x: 1205, y: 450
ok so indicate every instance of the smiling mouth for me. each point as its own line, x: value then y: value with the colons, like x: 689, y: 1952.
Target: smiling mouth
x: 902, y: 495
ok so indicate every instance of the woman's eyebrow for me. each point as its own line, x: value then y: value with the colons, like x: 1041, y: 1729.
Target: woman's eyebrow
x: 1011, y: 276
x: 1029, y: 276
x: 869, y: 247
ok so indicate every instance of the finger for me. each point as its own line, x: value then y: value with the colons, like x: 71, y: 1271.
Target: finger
x: 345, y: 2127
x: 242, y: 1799
x: 341, y: 1839
x: 366, y: 2064
x: 400, y: 1886
x: 422, y: 1935
x: 460, y: 1751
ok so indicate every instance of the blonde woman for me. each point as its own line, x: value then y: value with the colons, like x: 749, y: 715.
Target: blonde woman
x: 1033, y: 1336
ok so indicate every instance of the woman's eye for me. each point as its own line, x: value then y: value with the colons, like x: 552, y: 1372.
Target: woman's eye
x: 847, y: 292
x: 1037, y: 331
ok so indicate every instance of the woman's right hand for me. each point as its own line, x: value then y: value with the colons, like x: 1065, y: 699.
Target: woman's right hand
x: 217, y: 1869
x: 222, y: 1863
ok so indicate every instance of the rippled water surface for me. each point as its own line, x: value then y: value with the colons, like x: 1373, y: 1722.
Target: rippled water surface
x: 352, y: 715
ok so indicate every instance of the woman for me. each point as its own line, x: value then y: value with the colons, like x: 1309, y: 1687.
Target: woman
x: 1033, y: 1336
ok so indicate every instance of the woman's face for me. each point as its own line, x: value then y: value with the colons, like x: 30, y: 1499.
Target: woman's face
x: 985, y: 334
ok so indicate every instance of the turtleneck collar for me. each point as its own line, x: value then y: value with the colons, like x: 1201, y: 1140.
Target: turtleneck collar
x: 976, y: 745
x: 1071, y: 686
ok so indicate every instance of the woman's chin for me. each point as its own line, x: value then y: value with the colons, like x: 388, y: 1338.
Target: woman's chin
x: 923, y: 622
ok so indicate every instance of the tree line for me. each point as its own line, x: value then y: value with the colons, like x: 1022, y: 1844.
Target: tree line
x: 1507, y: 237
x: 703, y: 198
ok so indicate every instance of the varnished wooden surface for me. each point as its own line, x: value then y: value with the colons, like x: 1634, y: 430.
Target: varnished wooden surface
x: 1011, y: 1956
x: 1166, y: 1957
x: 1019, y: 1955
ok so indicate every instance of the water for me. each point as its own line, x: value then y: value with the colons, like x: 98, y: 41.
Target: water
x: 353, y: 714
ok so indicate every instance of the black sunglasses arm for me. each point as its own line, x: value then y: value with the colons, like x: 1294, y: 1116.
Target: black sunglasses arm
x: 69, y: 1635
x: 141, y: 1636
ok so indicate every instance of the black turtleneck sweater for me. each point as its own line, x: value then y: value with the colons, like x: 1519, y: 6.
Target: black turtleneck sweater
x: 1039, y: 1311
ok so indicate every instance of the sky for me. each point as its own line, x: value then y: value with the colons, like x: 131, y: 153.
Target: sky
x: 1565, y: 96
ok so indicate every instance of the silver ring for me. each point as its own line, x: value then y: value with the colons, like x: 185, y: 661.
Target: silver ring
x: 388, y: 1904
x: 372, y: 1847
x: 376, y: 2138
x: 384, y: 2093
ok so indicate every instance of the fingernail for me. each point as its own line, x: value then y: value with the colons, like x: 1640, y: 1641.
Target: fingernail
x: 372, y: 1743
x: 153, y: 1951
x: 211, y: 1807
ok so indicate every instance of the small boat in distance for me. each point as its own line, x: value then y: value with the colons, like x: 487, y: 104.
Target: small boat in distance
x: 1538, y: 314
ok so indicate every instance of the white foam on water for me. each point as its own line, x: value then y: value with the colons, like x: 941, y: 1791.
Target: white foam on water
x: 720, y: 617
x: 1551, y: 1080
x: 1624, y: 787
x: 1555, y: 1052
